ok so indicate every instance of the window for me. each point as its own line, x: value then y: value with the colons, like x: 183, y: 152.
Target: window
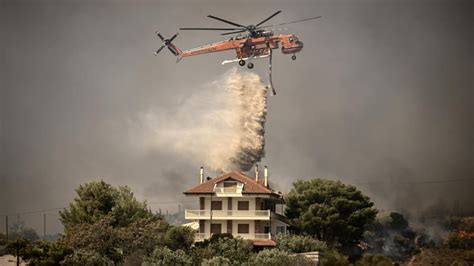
x: 216, y: 228
x: 280, y: 230
x: 243, y: 228
x: 243, y: 205
x: 230, y: 184
x: 216, y: 205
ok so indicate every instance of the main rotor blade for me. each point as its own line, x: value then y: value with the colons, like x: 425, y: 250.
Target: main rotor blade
x: 267, y: 19
x: 286, y: 23
x: 226, y: 21
x: 159, y: 35
x: 209, y: 28
x: 172, y: 38
x: 233, y: 32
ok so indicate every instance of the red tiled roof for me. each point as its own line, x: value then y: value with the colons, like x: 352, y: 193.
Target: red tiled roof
x: 250, y: 185
x: 264, y: 243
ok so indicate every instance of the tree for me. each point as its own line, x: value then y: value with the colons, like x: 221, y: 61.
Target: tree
x: 96, y: 200
x: 333, y: 258
x: 276, y: 257
x: 329, y: 210
x: 299, y: 243
x: 86, y: 257
x: 166, y: 256
x: 374, y: 260
x: 18, y: 230
x: 143, y: 235
x: 99, y: 237
x: 18, y: 248
x: 237, y: 250
x: 217, y: 261
x: 391, y: 235
x: 179, y: 237
x: 45, y: 253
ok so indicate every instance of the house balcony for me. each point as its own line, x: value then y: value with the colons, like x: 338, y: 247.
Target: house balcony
x: 227, y: 215
x: 202, y: 236
x: 235, y: 191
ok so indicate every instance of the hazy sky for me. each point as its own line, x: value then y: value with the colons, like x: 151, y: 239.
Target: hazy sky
x: 382, y: 93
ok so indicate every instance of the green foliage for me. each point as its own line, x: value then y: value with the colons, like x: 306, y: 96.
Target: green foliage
x: 20, y: 231
x: 467, y: 224
x: 374, y: 260
x: 333, y: 258
x: 454, y: 241
x: 86, y: 257
x: 217, y: 261
x: 166, y: 256
x: 459, y: 262
x: 18, y: 247
x: 299, y: 244
x: 278, y: 257
x: 215, y: 237
x: 398, y: 222
x: 179, y: 237
x: 99, y: 237
x: 96, y: 200
x: 143, y: 235
x: 236, y: 250
x: 391, y: 235
x: 330, y: 211
x: 46, y: 253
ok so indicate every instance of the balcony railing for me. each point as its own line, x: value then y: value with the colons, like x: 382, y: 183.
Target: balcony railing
x: 227, y: 215
x: 202, y: 236
x: 228, y: 191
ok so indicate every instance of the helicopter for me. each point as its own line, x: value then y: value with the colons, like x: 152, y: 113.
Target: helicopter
x: 254, y: 41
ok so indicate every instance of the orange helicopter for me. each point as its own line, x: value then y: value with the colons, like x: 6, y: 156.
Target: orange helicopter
x: 257, y: 42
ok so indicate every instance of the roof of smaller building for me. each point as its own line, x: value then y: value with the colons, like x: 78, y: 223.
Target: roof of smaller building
x: 264, y: 242
x: 250, y: 185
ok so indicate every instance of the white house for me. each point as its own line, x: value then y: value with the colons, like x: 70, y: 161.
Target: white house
x: 240, y: 205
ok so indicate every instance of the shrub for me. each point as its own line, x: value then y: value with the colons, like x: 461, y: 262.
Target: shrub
x: 166, y: 256
x: 236, y: 250
x: 86, y: 257
x: 278, y: 257
x: 299, y: 244
x: 179, y: 237
x: 333, y: 258
x: 454, y: 241
x: 374, y: 260
x: 217, y: 261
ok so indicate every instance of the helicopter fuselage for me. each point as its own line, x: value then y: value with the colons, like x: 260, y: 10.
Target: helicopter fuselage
x: 248, y: 46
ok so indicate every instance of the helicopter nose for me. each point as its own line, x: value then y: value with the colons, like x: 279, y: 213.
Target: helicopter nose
x: 300, y: 44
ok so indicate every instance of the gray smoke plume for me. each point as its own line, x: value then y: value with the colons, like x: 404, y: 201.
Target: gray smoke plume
x: 221, y: 126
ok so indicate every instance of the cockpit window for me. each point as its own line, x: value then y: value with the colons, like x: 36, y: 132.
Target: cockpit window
x: 291, y: 39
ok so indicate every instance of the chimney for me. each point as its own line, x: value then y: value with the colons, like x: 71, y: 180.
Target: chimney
x: 256, y: 172
x: 201, y: 175
x: 266, y: 176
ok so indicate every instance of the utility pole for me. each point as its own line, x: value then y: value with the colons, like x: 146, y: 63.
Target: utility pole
x: 44, y: 226
x: 6, y: 225
x: 179, y: 209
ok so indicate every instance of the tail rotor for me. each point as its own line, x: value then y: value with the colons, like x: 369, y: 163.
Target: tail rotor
x: 167, y: 43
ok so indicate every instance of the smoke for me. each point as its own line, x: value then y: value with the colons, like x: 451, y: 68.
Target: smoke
x: 221, y: 126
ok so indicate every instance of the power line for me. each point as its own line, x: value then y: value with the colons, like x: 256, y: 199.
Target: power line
x: 414, y: 182
x: 192, y: 201
x: 61, y: 208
